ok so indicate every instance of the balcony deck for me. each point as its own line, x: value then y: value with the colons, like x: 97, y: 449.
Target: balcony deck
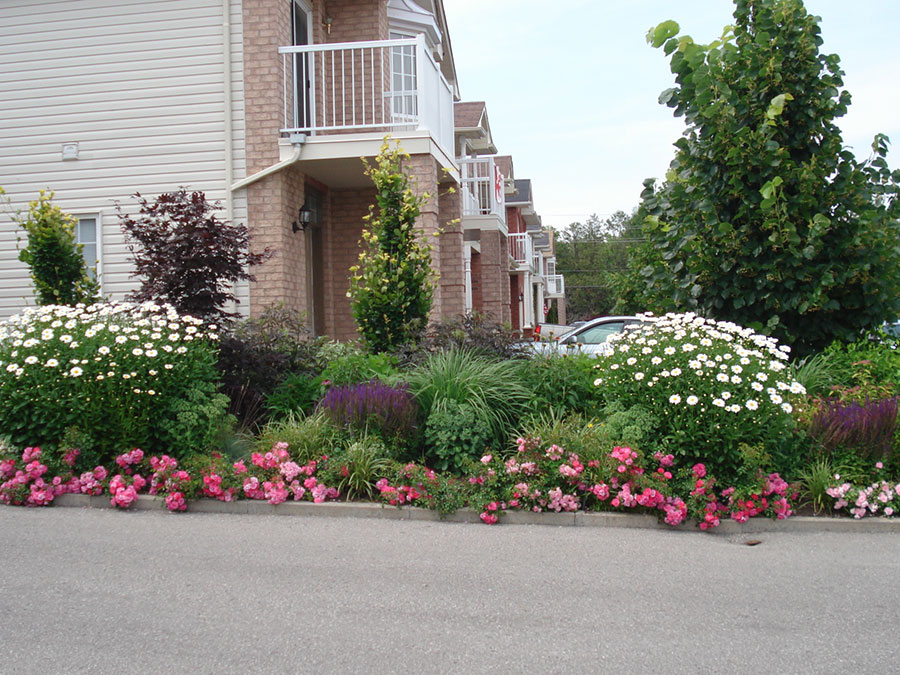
x: 380, y: 87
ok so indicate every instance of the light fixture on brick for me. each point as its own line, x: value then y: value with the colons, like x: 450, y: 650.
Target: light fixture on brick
x: 304, y: 217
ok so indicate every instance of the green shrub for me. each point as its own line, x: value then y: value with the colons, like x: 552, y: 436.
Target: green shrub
x: 635, y: 426
x: 474, y: 331
x: 125, y: 375
x: 260, y: 354
x: 712, y: 385
x: 867, y: 368
x: 563, y: 383
x: 354, y: 367
x: 297, y: 392
x: 355, y: 470
x: 58, y: 270
x: 455, y: 434
x: 458, y: 383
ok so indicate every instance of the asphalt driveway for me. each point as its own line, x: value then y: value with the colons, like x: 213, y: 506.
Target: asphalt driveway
x: 97, y: 591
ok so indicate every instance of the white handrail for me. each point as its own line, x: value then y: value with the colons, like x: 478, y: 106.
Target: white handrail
x: 376, y: 85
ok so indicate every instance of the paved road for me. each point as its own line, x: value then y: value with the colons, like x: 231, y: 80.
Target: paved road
x: 91, y: 591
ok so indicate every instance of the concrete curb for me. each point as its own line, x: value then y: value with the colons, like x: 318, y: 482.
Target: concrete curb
x: 578, y: 519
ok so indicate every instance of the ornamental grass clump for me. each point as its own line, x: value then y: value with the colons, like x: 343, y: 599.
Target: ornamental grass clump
x: 469, y: 403
x: 122, y: 375
x: 714, y: 385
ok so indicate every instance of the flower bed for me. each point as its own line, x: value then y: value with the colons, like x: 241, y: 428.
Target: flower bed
x: 535, y: 479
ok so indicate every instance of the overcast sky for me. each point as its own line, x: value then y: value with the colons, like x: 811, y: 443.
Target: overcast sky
x: 571, y: 87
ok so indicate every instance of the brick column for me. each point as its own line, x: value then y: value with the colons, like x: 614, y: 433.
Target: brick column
x: 495, y: 275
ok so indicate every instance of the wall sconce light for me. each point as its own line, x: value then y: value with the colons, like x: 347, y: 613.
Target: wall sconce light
x: 304, y: 218
x: 327, y: 23
x: 521, y: 297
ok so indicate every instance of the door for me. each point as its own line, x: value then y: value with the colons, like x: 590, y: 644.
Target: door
x: 303, y: 63
x: 404, y: 96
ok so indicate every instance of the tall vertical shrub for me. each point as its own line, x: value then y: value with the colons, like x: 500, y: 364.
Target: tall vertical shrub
x: 58, y: 270
x: 392, y: 286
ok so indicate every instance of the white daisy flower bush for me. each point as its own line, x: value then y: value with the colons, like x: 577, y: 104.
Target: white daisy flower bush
x: 121, y: 375
x: 714, y: 385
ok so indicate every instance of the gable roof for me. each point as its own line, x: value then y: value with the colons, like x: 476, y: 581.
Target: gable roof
x: 470, y: 121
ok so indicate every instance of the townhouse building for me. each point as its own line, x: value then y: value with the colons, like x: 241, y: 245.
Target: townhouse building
x: 266, y: 106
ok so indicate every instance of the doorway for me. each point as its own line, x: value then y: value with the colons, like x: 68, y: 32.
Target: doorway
x: 303, y: 63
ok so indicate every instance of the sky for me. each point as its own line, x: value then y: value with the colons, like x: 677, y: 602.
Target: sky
x: 571, y: 87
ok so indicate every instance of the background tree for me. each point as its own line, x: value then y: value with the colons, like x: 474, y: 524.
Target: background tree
x: 590, y: 254
x: 765, y: 218
x: 392, y: 286
x: 58, y: 269
x: 185, y: 255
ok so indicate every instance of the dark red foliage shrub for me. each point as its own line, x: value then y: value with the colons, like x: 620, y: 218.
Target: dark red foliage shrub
x: 185, y: 255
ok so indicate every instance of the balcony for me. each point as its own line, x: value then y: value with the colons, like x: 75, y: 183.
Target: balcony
x: 521, y: 252
x: 381, y: 87
x: 481, y: 185
x: 555, y: 286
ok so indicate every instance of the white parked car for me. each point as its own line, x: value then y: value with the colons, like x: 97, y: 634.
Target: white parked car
x: 589, y: 338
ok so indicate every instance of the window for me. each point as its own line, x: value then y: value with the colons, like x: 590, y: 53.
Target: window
x: 87, y: 233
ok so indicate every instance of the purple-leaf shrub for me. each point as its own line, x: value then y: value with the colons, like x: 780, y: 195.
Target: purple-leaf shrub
x: 868, y: 427
x: 389, y: 411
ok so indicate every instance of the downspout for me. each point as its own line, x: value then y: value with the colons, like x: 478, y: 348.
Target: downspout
x: 229, y: 120
x: 244, y: 182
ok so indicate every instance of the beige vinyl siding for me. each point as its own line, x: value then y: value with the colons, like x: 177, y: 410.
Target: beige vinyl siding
x: 139, y: 86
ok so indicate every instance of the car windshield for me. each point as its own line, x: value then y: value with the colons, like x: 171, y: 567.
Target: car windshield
x: 597, y: 334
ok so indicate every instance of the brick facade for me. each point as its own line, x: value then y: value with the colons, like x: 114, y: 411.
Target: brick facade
x: 273, y: 202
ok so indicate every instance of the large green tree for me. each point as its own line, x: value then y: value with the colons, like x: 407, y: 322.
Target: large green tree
x: 765, y: 218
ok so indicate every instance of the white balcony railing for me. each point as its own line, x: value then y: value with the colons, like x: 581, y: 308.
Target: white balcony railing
x: 556, y: 286
x: 482, y: 187
x: 521, y: 251
x: 381, y: 85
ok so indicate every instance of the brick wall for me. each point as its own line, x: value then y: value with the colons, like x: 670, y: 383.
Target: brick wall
x: 494, y: 275
x: 357, y: 20
x: 452, y: 259
x: 347, y: 208
x: 477, y: 299
x: 273, y: 203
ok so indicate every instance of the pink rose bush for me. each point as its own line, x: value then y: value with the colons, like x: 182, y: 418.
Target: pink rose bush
x: 272, y: 476
x: 541, y: 478
x: 24, y: 482
x: 879, y: 498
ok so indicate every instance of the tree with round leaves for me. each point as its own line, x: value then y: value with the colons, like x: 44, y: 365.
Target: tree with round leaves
x: 765, y: 218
